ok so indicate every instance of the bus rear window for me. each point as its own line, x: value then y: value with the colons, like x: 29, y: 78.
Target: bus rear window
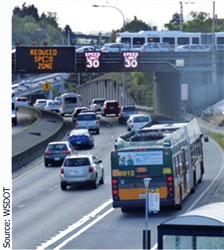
x: 70, y: 100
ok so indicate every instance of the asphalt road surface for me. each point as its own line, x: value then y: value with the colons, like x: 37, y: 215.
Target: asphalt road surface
x: 45, y: 217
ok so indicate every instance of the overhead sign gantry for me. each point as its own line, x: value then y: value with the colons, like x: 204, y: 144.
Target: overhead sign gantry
x: 45, y: 59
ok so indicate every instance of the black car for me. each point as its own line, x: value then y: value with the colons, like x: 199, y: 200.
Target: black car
x: 56, y: 152
x: 111, y: 107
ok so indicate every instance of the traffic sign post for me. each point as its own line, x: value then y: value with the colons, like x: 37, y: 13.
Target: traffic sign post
x: 145, y: 232
x: 46, y: 86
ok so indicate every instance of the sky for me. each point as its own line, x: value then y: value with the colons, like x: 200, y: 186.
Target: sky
x: 82, y: 17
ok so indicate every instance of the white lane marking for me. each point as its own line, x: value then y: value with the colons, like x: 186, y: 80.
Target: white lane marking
x: 84, y: 229
x: 202, y: 194
x: 83, y: 220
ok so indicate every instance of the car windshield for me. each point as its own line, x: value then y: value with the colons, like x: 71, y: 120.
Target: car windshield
x: 85, y: 117
x: 57, y: 147
x: 99, y: 101
x: 127, y: 109
x: 75, y: 162
x: 141, y: 119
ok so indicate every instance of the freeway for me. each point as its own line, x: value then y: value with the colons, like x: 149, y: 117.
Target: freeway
x: 82, y: 218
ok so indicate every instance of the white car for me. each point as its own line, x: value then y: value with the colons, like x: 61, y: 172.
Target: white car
x: 114, y: 47
x: 155, y: 47
x: 81, y: 169
x: 40, y: 103
x: 97, y: 104
x: 137, y: 121
x: 85, y: 48
x: 22, y: 101
x: 192, y: 48
x: 89, y: 121
x: 52, y: 106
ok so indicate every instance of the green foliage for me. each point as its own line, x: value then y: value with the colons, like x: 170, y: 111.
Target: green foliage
x: 132, y: 26
x: 30, y: 29
x: 199, y: 22
x: 218, y: 138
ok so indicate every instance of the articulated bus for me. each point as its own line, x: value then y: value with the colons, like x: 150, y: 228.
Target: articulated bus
x: 170, y: 154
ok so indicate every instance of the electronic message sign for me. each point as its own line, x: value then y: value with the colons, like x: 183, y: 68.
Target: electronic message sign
x: 131, y: 59
x: 45, y: 59
x: 93, y: 60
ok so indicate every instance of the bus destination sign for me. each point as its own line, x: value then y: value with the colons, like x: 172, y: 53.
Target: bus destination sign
x: 45, y: 59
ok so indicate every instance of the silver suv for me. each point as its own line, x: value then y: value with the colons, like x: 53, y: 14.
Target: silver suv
x: 79, y: 169
x: 89, y: 121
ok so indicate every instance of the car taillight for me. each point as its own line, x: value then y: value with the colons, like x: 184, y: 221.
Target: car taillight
x: 121, y: 113
x: 132, y: 125
x: 97, y: 123
x: 62, y: 170
x: 67, y: 152
x: 63, y: 106
x: 70, y: 138
x: 47, y: 152
x: 86, y: 137
x: 76, y: 124
x: 119, y: 106
x: 106, y: 107
x: 94, y: 105
x: 91, y: 168
x: 136, y: 112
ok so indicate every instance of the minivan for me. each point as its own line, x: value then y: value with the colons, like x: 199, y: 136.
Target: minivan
x: 69, y: 101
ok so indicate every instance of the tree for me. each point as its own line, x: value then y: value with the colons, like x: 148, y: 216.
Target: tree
x: 199, y: 22
x: 30, y: 10
x: 132, y: 26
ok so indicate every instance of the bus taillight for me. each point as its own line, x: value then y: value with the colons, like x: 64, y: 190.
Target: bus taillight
x: 114, y: 181
x: 170, y: 178
x: 115, y: 192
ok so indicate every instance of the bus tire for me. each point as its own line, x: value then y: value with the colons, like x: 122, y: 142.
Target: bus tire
x: 125, y: 209
x: 194, y: 183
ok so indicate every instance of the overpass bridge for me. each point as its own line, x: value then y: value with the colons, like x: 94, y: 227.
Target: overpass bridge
x: 184, y: 81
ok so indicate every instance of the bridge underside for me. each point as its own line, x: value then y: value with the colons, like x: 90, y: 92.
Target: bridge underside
x: 167, y: 94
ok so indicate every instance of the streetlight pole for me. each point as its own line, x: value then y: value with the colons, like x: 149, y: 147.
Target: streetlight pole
x: 109, y: 6
x: 213, y: 26
x: 181, y: 14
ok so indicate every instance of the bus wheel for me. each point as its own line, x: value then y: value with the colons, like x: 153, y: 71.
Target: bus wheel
x: 194, y: 183
x: 125, y: 209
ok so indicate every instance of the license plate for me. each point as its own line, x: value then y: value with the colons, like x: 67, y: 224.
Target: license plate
x: 78, y: 142
x: 111, y: 107
x: 57, y: 159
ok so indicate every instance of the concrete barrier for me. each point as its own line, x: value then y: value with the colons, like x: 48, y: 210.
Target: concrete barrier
x: 31, y: 143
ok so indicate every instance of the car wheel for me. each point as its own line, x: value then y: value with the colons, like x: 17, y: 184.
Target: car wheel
x: 95, y: 183
x: 46, y: 164
x: 63, y: 186
x: 97, y: 131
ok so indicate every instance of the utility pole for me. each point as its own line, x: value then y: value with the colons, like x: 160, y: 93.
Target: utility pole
x: 213, y: 27
x: 181, y: 16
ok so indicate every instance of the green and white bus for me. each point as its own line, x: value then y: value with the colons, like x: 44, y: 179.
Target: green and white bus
x: 170, y: 154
